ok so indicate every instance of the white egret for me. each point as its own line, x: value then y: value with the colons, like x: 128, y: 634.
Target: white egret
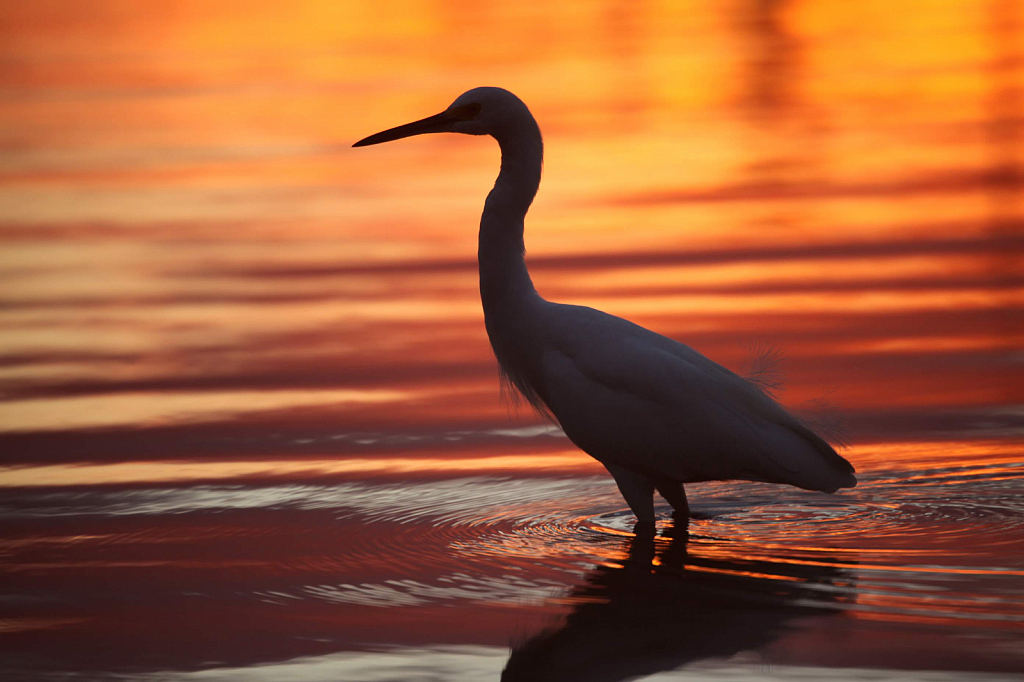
x: 656, y: 413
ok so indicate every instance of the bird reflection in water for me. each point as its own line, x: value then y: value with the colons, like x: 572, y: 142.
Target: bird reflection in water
x: 665, y: 606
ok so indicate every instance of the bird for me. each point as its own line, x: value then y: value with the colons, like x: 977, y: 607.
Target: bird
x: 655, y: 412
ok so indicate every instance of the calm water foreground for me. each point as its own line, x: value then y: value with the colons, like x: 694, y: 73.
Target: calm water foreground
x: 428, y: 577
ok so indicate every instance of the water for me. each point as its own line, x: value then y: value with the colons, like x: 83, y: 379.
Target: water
x: 250, y: 426
x: 459, y: 577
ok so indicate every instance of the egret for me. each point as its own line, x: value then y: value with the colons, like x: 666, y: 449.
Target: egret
x: 656, y: 413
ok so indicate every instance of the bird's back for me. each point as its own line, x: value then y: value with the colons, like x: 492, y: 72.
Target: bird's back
x: 632, y: 397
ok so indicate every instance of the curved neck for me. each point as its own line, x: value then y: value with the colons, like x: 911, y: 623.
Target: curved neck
x: 502, y: 268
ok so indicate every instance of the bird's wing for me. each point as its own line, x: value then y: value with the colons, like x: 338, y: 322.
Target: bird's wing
x: 642, y: 400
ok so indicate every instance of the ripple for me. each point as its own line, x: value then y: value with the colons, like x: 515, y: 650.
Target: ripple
x: 929, y: 545
x: 939, y: 543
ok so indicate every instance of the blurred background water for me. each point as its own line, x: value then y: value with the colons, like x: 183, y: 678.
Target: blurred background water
x: 249, y: 419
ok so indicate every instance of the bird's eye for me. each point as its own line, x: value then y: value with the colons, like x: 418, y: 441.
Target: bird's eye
x: 473, y: 109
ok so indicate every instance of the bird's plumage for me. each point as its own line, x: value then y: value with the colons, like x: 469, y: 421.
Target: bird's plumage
x: 654, y: 411
x: 637, y: 399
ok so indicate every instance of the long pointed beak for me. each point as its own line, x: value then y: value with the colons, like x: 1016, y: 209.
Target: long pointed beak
x: 439, y: 123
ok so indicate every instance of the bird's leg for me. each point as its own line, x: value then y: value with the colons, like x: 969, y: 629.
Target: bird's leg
x: 675, y: 495
x: 638, y: 490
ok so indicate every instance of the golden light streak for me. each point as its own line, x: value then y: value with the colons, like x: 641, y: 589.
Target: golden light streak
x: 151, y: 408
x: 949, y: 453
x: 12, y: 625
x: 184, y: 471
x: 867, y: 457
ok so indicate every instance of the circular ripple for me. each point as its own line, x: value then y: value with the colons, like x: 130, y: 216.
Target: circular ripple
x: 517, y: 540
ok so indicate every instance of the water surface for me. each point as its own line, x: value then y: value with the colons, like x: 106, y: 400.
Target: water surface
x: 250, y: 425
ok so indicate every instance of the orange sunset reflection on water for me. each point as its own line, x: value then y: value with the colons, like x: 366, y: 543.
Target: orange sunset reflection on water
x: 239, y: 357
x: 183, y: 221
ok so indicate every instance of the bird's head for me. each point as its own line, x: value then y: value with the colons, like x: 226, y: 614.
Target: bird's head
x: 480, y: 111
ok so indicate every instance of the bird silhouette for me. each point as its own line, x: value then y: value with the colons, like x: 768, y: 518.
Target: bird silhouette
x: 656, y: 413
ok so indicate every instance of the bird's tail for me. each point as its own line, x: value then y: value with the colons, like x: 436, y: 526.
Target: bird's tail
x: 798, y: 456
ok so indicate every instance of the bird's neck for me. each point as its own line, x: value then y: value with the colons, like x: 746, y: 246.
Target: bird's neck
x: 503, y: 274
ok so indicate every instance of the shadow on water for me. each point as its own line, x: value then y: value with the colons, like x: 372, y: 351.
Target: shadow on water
x: 663, y: 607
